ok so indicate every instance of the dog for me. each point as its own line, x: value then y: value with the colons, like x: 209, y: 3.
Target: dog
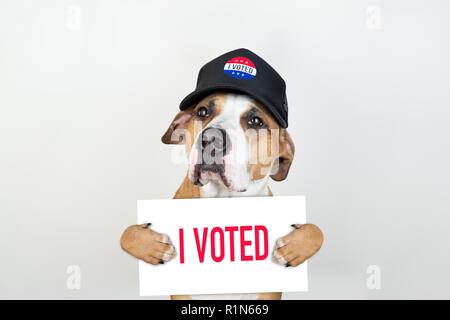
x: 224, y: 126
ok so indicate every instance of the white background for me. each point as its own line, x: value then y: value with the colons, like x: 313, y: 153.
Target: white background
x: 83, y: 107
x: 192, y: 277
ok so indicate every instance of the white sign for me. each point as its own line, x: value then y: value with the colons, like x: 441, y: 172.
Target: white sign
x: 223, y: 245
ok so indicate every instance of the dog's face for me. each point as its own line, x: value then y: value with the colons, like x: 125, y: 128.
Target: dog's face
x: 232, y: 140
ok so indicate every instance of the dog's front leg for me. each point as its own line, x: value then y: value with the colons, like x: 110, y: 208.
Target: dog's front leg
x: 297, y: 246
x: 148, y: 245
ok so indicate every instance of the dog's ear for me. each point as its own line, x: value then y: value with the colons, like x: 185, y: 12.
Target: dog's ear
x: 175, y: 132
x: 286, y: 155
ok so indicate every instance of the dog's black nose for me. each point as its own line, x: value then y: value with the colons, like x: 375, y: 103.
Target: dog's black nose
x: 214, y: 144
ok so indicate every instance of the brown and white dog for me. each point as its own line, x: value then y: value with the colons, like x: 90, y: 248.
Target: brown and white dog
x: 227, y: 126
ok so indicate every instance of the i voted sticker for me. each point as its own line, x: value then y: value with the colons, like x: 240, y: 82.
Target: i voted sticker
x: 240, y: 67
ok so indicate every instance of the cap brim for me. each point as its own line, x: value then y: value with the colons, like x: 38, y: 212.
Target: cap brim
x: 197, y: 95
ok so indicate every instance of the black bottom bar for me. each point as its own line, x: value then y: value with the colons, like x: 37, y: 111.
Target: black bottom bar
x: 220, y: 309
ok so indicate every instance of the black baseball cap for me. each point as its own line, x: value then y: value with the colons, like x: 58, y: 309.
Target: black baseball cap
x: 243, y: 71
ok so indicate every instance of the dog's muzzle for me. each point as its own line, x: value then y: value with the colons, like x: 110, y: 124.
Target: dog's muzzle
x: 213, y: 145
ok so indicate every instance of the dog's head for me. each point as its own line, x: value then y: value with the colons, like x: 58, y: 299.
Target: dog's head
x: 231, y: 139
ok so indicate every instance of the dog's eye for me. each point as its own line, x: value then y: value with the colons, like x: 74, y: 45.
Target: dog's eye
x: 202, y: 112
x: 255, y: 122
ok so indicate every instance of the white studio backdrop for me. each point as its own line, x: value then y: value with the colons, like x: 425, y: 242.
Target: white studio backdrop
x: 89, y: 87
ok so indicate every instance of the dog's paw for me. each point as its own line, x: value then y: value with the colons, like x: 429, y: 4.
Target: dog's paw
x: 297, y: 246
x: 148, y: 245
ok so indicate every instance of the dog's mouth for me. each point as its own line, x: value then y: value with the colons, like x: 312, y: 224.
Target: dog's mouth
x: 213, y: 160
x: 203, y: 173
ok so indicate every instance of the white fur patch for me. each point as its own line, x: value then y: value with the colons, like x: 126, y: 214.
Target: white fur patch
x: 280, y: 243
